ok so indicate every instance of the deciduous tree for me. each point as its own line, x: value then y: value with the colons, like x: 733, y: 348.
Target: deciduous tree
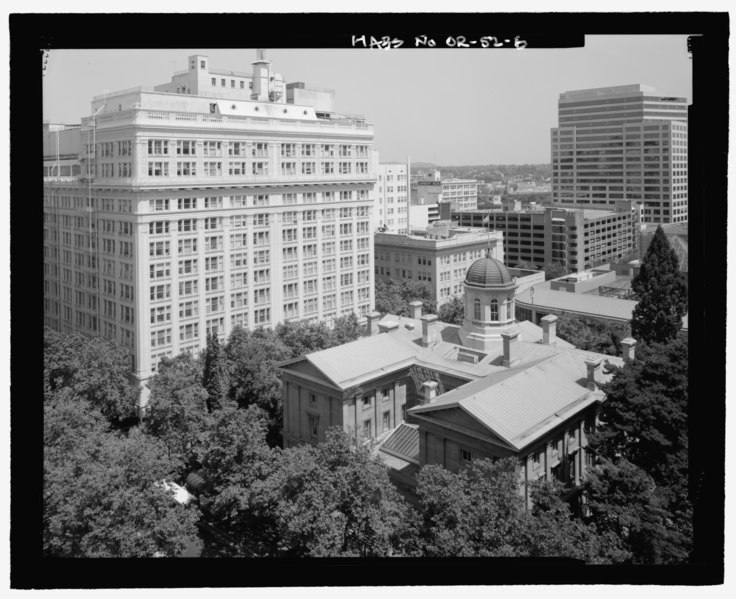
x: 331, y: 500
x: 95, y: 369
x: 103, y: 498
x: 452, y: 312
x: 177, y: 408
x: 253, y: 358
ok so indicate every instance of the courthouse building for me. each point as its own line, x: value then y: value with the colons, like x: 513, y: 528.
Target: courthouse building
x: 426, y: 392
x: 215, y: 200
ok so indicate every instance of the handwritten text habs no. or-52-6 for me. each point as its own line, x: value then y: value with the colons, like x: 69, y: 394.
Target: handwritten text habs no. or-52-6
x: 422, y: 41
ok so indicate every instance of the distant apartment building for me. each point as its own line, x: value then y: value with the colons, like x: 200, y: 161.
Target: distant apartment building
x: 573, y: 237
x: 216, y: 200
x: 391, y: 193
x: 625, y: 142
x: 439, y: 255
x: 462, y: 194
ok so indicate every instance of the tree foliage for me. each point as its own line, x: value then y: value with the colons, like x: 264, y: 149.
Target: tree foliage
x: 177, y: 407
x: 102, y: 497
x: 662, y: 293
x: 394, y: 297
x: 214, y: 374
x: 552, y: 270
x: 624, y: 502
x: 644, y: 417
x: 452, y: 312
x: 480, y: 512
x: 253, y: 358
x: 93, y: 368
x: 641, y: 484
x: 333, y: 499
x: 591, y: 334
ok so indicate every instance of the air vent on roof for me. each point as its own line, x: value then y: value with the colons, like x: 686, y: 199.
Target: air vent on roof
x: 256, y: 109
x: 233, y: 107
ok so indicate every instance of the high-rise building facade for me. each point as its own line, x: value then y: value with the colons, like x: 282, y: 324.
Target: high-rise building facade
x: 391, y: 205
x: 624, y: 142
x: 206, y: 203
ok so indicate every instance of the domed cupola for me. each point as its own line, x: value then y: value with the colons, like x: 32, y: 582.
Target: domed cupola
x: 489, y: 272
x: 489, y: 303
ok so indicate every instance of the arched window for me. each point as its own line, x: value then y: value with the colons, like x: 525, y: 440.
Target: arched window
x: 476, y: 309
x: 494, y: 309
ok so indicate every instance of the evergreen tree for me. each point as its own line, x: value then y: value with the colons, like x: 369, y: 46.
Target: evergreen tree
x: 214, y: 376
x: 662, y: 292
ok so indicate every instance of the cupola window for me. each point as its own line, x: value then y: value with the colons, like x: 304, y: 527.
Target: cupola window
x: 476, y: 309
x: 494, y: 309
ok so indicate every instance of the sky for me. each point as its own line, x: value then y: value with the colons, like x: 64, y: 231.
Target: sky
x: 461, y: 106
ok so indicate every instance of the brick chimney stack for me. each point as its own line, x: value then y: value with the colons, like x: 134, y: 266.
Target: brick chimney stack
x: 429, y: 329
x: 372, y: 323
x: 429, y: 391
x: 628, y: 346
x: 415, y: 309
x: 593, y: 365
x: 509, y: 341
x: 549, y: 329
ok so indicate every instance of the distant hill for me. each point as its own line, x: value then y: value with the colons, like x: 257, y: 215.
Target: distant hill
x: 491, y: 172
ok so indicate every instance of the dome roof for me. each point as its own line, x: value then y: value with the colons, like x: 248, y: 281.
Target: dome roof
x: 488, y: 272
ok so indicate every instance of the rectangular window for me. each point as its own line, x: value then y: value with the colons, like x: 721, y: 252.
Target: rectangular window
x: 158, y: 147
x: 186, y: 169
x: 158, y: 169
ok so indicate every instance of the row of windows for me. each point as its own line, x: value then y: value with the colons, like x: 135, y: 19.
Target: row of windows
x: 165, y: 147
x: 259, y: 200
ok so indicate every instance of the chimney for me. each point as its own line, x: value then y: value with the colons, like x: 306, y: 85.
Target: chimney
x: 628, y: 346
x: 509, y: 341
x: 593, y: 364
x: 372, y: 323
x: 549, y: 329
x: 429, y: 391
x: 429, y: 329
x: 415, y: 309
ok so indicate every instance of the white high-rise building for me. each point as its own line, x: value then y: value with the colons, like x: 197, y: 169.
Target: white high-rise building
x: 216, y: 200
x: 622, y: 143
x: 391, y: 206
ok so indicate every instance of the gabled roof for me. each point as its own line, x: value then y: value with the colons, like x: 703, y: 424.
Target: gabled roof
x: 363, y: 359
x: 519, y: 404
x: 403, y: 442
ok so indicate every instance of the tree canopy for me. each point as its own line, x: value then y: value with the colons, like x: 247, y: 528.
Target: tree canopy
x: 640, y: 488
x: 177, y: 407
x: 480, y: 512
x: 452, y: 312
x: 102, y: 493
x: 214, y: 373
x: 394, y: 297
x: 591, y: 334
x: 552, y: 270
x: 95, y: 369
x: 331, y: 500
x: 661, y: 290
